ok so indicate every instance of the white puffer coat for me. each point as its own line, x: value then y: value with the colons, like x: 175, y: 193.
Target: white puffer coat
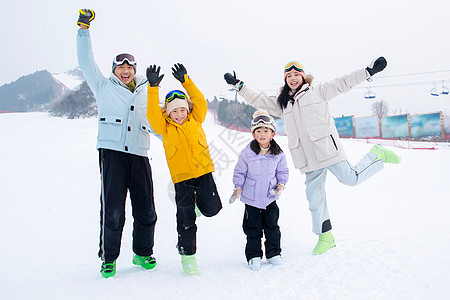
x: 313, y: 139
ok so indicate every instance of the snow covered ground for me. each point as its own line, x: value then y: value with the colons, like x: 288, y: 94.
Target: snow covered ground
x: 391, y: 232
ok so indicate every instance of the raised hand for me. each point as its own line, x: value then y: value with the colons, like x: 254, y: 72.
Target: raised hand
x: 377, y: 65
x: 153, y: 76
x: 231, y: 79
x: 85, y: 17
x: 178, y: 72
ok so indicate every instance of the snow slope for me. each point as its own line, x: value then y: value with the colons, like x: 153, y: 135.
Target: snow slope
x: 69, y: 80
x: 391, y: 232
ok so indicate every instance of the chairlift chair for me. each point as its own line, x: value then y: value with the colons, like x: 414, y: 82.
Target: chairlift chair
x: 434, y: 91
x: 444, y: 90
x: 369, y: 94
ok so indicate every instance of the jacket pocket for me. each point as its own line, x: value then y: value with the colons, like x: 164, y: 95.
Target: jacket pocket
x: 144, y: 137
x: 203, y: 143
x: 110, y: 128
x: 325, y: 147
x: 170, y: 152
x: 248, y: 190
x: 297, y: 154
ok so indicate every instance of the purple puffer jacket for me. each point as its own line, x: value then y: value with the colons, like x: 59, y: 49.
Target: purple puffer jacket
x: 257, y: 174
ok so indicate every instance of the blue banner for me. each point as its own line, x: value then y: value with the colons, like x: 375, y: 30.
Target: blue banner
x: 425, y: 125
x: 395, y: 126
x: 344, y: 126
x: 367, y: 127
x: 447, y: 125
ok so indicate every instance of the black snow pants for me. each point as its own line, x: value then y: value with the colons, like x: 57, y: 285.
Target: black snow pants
x: 122, y: 172
x: 200, y: 191
x: 257, y: 221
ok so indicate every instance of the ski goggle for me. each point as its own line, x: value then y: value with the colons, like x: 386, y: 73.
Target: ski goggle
x: 125, y: 57
x: 293, y: 65
x: 175, y: 94
x: 262, y: 119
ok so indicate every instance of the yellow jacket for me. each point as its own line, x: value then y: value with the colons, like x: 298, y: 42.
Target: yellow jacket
x: 186, y: 149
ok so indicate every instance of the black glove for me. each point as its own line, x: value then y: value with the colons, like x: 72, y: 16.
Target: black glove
x: 377, y: 65
x: 178, y: 72
x: 85, y: 17
x: 231, y: 79
x: 153, y: 75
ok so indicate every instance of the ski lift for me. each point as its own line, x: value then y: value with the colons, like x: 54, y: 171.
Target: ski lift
x: 434, y: 91
x: 369, y: 94
x: 444, y: 89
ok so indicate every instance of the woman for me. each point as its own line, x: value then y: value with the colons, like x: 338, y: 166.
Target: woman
x: 313, y: 138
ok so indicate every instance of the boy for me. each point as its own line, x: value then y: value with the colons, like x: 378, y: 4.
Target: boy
x: 187, y: 154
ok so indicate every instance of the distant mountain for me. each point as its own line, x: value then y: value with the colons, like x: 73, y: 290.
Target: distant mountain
x: 71, y: 79
x: 42, y: 91
x: 34, y: 92
x: 79, y: 103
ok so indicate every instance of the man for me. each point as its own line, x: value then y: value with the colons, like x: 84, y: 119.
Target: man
x: 123, y: 141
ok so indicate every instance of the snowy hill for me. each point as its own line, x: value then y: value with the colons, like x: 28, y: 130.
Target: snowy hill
x: 70, y: 79
x: 390, y: 231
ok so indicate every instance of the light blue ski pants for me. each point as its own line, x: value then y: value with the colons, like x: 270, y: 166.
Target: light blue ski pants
x: 346, y: 174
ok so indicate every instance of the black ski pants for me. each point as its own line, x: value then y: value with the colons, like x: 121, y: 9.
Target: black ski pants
x: 200, y: 191
x: 122, y: 172
x: 258, y: 221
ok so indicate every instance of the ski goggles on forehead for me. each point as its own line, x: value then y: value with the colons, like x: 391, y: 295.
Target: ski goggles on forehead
x: 262, y: 119
x: 125, y: 57
x: 175, y: 94
x: 293, y: 65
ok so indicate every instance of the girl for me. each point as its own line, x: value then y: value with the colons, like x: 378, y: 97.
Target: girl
x: 187, y: 154
x: 312, y: 136
x: 259, y: 177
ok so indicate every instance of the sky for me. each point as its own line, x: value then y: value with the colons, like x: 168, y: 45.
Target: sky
x: 254, y: 38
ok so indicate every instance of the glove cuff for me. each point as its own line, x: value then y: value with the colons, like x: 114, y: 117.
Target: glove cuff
x: 87, y: 24
x: 238, y: 86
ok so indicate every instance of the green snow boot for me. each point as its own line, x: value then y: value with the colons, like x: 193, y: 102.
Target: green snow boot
x: 386, y: 155
x: 147, y: 262
x: 326, y: 241
x: 108, y: 269
x: 189, y: 264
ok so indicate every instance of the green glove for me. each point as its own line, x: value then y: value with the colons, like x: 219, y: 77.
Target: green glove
x: 85, y: 17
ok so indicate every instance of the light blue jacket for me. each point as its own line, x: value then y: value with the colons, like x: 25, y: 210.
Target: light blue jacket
x: 257, y: 174
x: 122, y: 120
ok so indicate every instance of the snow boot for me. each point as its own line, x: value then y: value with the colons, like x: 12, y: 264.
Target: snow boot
x: 255, y: 263
x: 189, y: 264
x: 386, y: 155
x: 326, y: 241
x: 108, y: 269
x: 276, y: 260
x: 147, y: 262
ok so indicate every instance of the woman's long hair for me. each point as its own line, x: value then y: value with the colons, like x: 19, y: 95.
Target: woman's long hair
x: 274, y: 148
x: 285, y: 97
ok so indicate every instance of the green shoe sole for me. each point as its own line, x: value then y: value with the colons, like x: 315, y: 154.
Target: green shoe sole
x: 108, y: 269
x: 323, y: 247
x: 146, y: 262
